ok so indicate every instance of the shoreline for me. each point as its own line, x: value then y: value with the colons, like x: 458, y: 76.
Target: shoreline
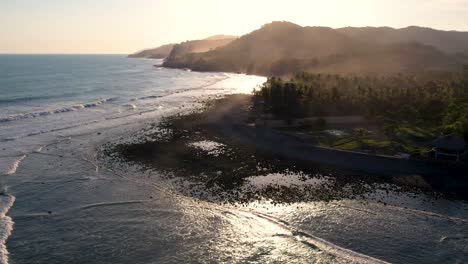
x: 224, y: 122
x: 161, y: 65
x: 68, y: 196
x: 144, y: 206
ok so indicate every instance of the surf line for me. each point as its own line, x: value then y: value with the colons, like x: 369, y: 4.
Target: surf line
x: 13, y: 166
x: 319, y: 243
x: 6, y: 226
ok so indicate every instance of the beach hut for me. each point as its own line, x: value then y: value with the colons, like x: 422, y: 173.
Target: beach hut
x: 450, y: 147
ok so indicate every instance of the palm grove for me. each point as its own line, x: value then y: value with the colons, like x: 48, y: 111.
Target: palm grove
x: 438, y: 103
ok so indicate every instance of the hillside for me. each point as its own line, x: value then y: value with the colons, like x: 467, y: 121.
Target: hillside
x: 193, y: 46
x: 218, y: 37
x: 282, y: 48
x: 180, y: 51
x: 446, y: 41
x: 156, y: 53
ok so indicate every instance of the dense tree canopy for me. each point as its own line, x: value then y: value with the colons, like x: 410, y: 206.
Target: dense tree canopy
x: 425, y: 99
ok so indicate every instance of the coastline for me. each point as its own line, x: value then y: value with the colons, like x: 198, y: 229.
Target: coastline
x: 225, y: 122
x: 92, y: 200
x: 73, y: 207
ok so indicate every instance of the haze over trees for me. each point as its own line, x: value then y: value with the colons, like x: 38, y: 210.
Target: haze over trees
x: 412, y: 75
x: 446, y: 41
x: 283, y: 48
x: 438, y: 103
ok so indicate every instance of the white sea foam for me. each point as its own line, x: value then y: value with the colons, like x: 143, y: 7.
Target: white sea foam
x: 130, y: 106
x: 8, y: 118
x: 177, y: 91
x: 9, y: 165
x: 6, y: 225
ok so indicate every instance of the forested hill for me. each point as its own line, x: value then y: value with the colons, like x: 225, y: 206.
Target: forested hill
x: 179, y: 51
x: 446, y: 41
x: 282, y: 48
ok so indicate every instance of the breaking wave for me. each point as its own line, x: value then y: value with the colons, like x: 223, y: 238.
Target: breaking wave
x: 9, y: 166
x: 66, y: 109
x: 6, y: 225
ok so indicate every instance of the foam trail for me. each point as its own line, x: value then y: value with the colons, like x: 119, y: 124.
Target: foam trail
x: 6, y: 225
x: 304, y: 237
x: 9, y: 166
x: 130, y: 106
x: 71, y: 108
x: 112, y: 203
x: 214, y: 82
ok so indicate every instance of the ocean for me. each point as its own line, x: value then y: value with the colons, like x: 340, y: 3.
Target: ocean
x: 61, y: 204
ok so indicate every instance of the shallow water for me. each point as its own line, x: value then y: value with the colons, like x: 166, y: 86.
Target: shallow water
x: 62, y: 203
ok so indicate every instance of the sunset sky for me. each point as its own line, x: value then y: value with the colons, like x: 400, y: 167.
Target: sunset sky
x: 124, y: 26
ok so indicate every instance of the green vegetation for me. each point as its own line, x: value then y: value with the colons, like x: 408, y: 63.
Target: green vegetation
x: 350, y: 71
x: 395, y: 99
x: 410, y: 111
x: 456, y: 119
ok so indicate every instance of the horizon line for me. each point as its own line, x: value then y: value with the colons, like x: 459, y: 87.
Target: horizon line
x: 64, y: 53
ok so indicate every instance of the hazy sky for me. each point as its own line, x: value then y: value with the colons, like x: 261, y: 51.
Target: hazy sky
x: 123, y: 26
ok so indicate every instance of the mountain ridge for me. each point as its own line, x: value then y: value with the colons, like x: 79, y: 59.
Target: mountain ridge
x: 160, y: 52
x: 281, y: 48
x: 189, y: 46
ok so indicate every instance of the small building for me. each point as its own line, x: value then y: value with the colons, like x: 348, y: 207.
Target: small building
x: 451, y: 147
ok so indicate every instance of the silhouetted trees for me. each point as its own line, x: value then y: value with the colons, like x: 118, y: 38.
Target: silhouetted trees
x: 422, y: 100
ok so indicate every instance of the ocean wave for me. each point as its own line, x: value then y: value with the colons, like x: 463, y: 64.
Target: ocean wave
x: 89, y: 206
x: 130, y: 106
x: 71, y: 108
x: 219, y: 79
x: 33, y: 98
x: 6, y: 225
x: 316, y: 242
x: 66, y: 109
x: 9, y: 165
x: 81, y: 124
x: 149, y: 97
